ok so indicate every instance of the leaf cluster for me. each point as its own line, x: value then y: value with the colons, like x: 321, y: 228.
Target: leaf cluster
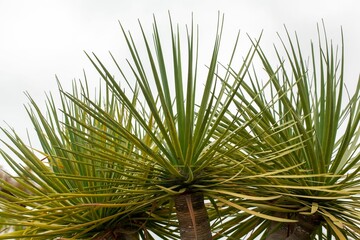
x: 260, y: 150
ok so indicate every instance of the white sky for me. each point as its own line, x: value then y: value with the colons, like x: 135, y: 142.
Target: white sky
x: 39, y: 39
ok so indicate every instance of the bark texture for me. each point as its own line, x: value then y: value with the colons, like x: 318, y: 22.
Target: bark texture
x: 302, y: 230
x: 192, y: 217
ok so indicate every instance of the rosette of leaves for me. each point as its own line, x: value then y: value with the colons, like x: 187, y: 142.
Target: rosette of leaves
x: 306, y: 103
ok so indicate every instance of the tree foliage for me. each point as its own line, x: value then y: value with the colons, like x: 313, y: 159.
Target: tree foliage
x: 268, y: 154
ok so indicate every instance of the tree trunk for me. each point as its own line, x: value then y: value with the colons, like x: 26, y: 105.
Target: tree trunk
x: 278, y: 230
x: 192, y: 216
x: 302, y: 230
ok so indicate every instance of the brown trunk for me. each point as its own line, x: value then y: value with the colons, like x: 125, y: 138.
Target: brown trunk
x: 279, y: 231
x: 302, y: 230
x: 192, y: 216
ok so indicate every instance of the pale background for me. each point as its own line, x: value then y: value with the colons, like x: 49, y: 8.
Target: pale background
x: 39, y: 39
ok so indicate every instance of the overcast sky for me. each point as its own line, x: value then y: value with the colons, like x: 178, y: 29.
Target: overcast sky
x: 39, y: 39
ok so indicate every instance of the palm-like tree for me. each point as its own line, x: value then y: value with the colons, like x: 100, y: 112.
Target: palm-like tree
x: 139, y: 158
x: 81, y: 185
x: 321, y: 188
x: 188, y: 152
